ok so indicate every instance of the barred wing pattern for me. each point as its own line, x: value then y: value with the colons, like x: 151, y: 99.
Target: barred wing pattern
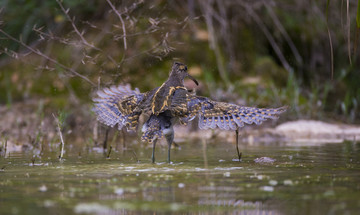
x: 227, y: 116
x: 122, y: 106
x: 118, y: 105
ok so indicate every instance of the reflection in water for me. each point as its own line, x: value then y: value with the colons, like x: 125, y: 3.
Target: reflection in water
x: 239, y: 206
x: 317, y: 179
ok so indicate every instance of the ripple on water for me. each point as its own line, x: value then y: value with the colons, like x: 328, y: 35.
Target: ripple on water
x: 312, y: 177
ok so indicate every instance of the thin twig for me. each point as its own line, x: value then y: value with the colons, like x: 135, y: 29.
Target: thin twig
x: 44, y: 35
x: 356, y: 40
x: 108, y: 155
x: 348, y: 30
x: 66, y: 12
x: 283, y: 32
x: 143, y: 52
x: 331, y: 52
x: 270, y: 38
x: 61, y: 137
x: 38, y: 52
x: 206, y: 7
x: 135, y: 156
x: 341, y: 17
x: 122, y: 22
x: 226, y: 32
x: 330, y: 41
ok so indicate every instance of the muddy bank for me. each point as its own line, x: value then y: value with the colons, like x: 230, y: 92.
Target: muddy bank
x: 317, y: 131
x: 31, y: 124
x: 301, y: 131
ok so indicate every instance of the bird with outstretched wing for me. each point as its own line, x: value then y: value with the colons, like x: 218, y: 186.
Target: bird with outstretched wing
x: 171, y: 102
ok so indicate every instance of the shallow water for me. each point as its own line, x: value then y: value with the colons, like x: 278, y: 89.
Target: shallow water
x: 303, y: 179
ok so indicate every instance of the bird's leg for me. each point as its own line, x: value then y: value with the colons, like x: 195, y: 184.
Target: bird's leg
x: 237, y: 144
x: 105, y: 140
x: 169, y: 139
x: 153, y: 151
x: 169, y: 148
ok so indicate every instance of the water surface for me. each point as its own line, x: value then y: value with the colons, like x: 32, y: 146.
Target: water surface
x: 203, y: 179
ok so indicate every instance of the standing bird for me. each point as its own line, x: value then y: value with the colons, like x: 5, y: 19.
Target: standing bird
x: 169, y: 103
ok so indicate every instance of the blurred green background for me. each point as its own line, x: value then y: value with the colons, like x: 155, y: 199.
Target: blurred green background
x: 258, y: 53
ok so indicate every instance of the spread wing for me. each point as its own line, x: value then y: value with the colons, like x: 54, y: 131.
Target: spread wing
x: 225, y: 116
x: 119, y: 105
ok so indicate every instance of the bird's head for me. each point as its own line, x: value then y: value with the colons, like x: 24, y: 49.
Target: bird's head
x: 179, y: 72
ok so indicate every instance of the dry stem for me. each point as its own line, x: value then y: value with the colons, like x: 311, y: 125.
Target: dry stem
x: 61, y: 137
x: 121, y: 20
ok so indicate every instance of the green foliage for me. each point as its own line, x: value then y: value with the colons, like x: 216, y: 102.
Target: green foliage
x: 157, y: 34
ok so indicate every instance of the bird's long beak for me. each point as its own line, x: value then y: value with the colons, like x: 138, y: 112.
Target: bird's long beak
x: 193, y: 79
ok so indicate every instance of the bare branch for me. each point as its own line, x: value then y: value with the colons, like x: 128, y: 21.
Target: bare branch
x: 66, y: 12
x: 283, y: 32
x: 61, y: 156
x: 330, y: 41
x: 122, y: 22
x: 207, y: 11
x: 38, y: 52
x: 226, y: 32
x: 50, y: 35
x: 143, y: 52
x: 331, y: 52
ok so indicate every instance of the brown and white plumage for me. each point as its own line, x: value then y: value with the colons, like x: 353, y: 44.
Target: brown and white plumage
x: 227, y: 116
x: 122, y: 106
x: 157, y: 126
x: 118, y: 106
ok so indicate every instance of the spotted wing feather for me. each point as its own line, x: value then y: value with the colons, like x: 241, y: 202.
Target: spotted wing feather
x: 118, y: 105
x: 227, y: 116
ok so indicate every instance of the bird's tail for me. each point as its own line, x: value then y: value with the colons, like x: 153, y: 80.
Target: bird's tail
x: 152, y: 129
x: 157, y: 126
